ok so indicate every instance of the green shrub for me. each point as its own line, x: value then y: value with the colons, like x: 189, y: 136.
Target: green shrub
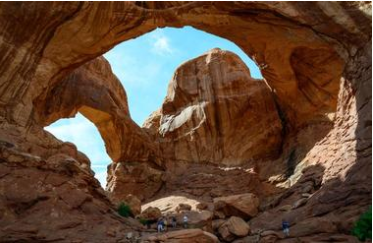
x: 363, y: 227
x: 143, y: 221
x: 124, y: 210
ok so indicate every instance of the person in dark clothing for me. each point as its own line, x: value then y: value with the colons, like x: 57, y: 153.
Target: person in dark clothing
x: 174, y: 222
x: 285, y: 227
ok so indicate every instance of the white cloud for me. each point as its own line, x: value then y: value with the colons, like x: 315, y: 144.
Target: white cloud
x: 161, y: 43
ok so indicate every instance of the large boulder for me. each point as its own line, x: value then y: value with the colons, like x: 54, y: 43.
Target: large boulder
x: 233, y: 228
x: 242, y: 205
x: 183, y: 207
x: 134, y: 203
x: 151, y: 213
x: 216, y: 223
x: 202, y: 206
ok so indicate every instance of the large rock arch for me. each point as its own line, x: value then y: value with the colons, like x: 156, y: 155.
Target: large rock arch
x: 268, y: 35
x: 316, y: 57
x: 95, y: 92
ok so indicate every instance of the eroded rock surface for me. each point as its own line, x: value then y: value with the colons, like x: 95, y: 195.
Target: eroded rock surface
x: 216, y: 113
x: 60, y: 196
x: 315, y: 57
x: 95, y: 92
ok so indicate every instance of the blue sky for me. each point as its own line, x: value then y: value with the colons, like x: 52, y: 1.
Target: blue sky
x: 145, y: 66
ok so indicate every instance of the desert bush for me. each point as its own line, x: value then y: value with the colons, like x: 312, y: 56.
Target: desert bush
x: 124, y: 210
x: 363, y: 227
x: 143, y: 221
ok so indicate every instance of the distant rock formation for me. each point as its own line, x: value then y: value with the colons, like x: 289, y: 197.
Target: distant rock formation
x: 215, y: 112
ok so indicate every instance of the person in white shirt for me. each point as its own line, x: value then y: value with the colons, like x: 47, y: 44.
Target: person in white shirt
x: 185, y: 220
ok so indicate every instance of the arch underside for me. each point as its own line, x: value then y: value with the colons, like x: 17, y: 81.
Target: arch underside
x: 304, y: 90
x: 300, y: 64
x: 315, y: 57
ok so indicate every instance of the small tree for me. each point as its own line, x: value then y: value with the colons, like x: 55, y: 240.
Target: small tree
x: 363, y: 227
x: 124, y: 210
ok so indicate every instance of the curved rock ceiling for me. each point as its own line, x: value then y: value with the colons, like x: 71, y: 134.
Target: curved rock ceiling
x: 267, y: 34
x: 314, y: 56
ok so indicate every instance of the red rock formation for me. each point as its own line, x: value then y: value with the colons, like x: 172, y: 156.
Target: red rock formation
x: 214, y: 112
x: 243, y: 205
x: 54, y: 200
x: 306, y: 52
x: 63, y: 45
x: 139, y: 179
x: 233, y: 228
x: 95, y: 91
x: 134, y: 203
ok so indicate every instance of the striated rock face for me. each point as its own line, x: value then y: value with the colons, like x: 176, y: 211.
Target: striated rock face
x: 315, y: 57
x: 214, y: 112
x: 58, y: 195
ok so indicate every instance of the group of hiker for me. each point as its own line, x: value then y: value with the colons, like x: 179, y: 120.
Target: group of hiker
x: 162, y: 223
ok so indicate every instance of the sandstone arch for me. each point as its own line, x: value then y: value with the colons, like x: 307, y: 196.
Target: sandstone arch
x: 84, y: 91
x: 95, y: 92
x: 271, y: 34
x: 261, y: 31
x: 41, y: 44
